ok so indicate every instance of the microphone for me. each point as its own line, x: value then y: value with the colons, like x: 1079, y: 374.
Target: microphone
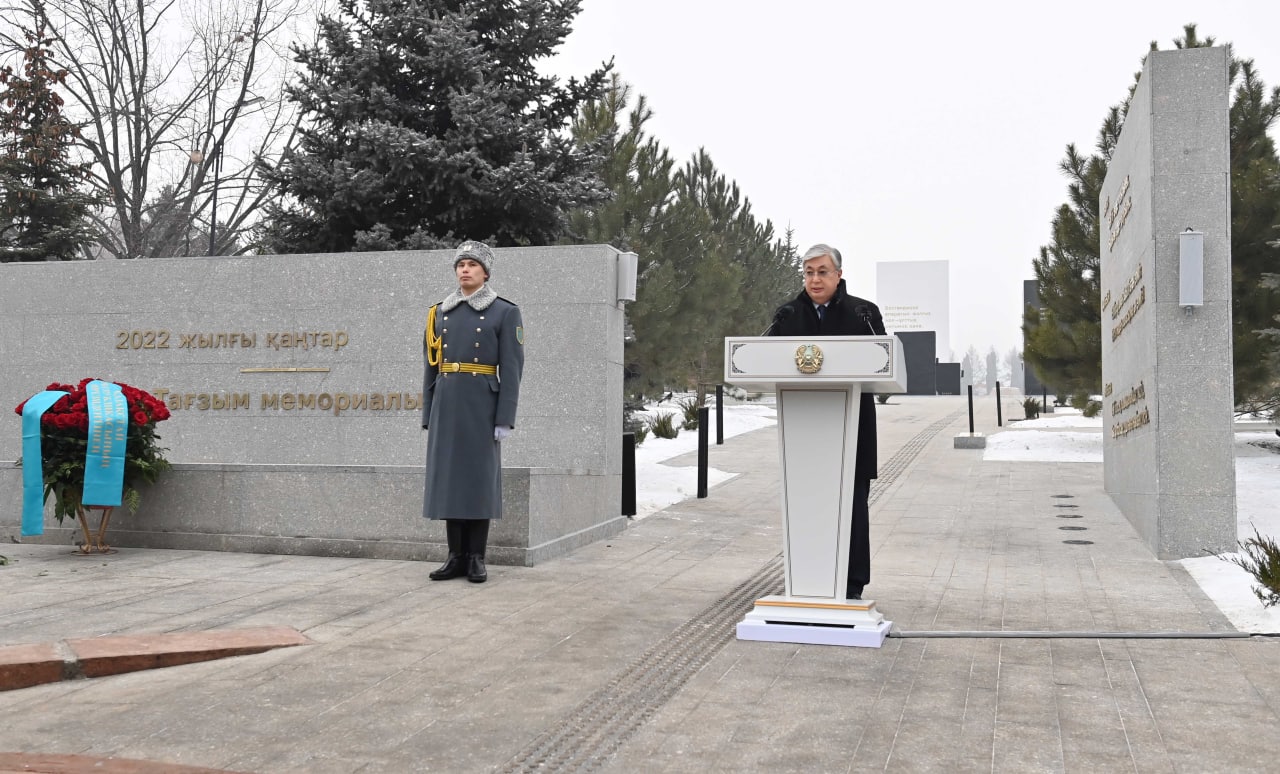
x: 782, y: 314
x: 864, y: 314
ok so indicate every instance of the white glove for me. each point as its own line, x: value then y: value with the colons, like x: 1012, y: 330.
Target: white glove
x: 501, y: 432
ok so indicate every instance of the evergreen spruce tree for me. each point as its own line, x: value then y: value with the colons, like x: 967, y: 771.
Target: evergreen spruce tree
x: 1255, y: 225
x: 1063, y: 341
x: 1267, y: 402
x: 638, y: 172
x: 43, y: 214
x: 707, y: 268
x: 428, y: 123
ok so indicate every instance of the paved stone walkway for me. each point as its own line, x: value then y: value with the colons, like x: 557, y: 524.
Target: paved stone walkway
x: 615, y: 658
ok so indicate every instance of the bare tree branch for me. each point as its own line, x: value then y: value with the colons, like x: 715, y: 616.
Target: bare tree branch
x: 179, y: 99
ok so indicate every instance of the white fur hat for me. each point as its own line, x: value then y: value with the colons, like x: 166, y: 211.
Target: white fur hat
x: 476, y: 251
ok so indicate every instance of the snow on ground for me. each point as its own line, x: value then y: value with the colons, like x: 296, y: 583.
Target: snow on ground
x: 659, y: 485
x: 1063, y: 436
x: 1257, y: 494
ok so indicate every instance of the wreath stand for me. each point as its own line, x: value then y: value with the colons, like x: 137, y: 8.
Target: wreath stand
x: 93, y: 542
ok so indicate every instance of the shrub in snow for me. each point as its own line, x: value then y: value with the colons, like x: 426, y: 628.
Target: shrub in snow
x: 689, y: 408
x: 1260, y: 557
x: 664, y: 426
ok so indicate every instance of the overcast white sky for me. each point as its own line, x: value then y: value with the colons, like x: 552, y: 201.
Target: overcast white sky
x: 904, y: 131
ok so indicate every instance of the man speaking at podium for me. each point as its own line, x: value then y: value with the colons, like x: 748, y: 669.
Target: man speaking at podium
x: 825, y: 308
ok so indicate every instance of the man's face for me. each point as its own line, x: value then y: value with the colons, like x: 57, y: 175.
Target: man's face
x: 470, y: 275
x: 821, y: 278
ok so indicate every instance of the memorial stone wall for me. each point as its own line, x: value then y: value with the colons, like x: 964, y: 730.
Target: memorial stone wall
x: 295, y: 386
x: 1168, y: 408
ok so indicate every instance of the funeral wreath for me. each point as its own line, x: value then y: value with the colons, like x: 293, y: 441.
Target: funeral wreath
x: 64, y: 431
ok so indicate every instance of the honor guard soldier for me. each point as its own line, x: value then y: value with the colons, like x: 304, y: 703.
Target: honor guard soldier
x: 474, y: 351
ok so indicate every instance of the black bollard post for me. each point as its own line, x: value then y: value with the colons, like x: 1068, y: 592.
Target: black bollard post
x: 1044, y: 400
x: 629, y: 475
x: 971, y: 409
x: 719, y: 415
x: 703, y: 419
x: 999, y: 415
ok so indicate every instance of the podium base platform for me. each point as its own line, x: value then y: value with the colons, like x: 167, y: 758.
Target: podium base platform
x: 851, y: 623
x: 848, y: 636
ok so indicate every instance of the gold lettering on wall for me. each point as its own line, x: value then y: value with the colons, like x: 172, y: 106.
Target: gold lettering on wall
x: 1120, y: 430
x: 160, y: 338
x: 1117, y: 212
x: 335, y: 402
x: 1129, y: 314
x: 1125, y: 292
x: 149, y: 339
x: 1135, y: 396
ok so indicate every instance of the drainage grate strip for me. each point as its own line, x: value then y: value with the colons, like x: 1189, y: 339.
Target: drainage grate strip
x: 592, y: 732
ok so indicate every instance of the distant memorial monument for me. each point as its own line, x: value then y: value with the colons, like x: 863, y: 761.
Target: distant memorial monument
x: 915, y: 296
x: 1168, y: 401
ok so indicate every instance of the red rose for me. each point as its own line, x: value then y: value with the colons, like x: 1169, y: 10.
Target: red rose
x: 140, y: 418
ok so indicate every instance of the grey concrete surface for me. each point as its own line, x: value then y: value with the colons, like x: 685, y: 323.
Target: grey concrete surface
x: 616, y: 657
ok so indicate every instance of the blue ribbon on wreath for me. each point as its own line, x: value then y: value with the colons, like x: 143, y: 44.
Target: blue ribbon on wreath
x: 108, y: 434
x: 33, y: 461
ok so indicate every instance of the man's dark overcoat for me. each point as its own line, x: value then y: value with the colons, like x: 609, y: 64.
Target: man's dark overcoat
x: 845, y: 315
x: 460, y: 410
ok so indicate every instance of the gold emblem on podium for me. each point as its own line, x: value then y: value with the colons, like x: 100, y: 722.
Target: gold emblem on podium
x: 809, y: 358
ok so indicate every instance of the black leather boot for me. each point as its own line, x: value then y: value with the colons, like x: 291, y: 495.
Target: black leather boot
x: 454, y: 567
x: 476, y: 573
x: 475, y: 534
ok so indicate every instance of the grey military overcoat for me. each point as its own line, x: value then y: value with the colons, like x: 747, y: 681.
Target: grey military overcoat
x: 460, y: 409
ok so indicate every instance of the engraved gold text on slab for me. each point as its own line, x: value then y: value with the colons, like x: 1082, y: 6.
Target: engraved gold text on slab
x: 161, y: 338
x: 336, y: 402
x: 1117, y: 212
x: 1135, y: 399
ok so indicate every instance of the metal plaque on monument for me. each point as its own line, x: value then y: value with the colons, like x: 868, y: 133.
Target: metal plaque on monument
x: 818, y: 381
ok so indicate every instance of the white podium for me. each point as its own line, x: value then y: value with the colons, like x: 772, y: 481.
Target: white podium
x: 818, y: 381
